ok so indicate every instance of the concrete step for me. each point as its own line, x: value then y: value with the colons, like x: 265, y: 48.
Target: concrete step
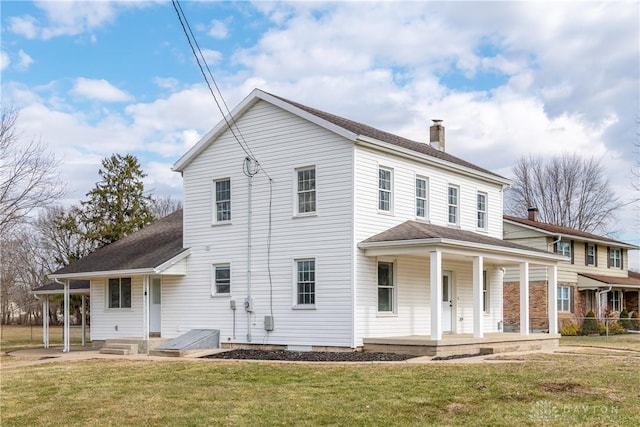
x: 118, y: 351
x: 116, y: 347
x: 167, y: 353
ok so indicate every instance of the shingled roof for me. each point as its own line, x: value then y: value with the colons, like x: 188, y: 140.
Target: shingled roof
x: 147, y: 248
x: 75, y: 286
x: 380, y: 135
x: 414, y: 230
x: 557, y: 229
x: 612, y: 280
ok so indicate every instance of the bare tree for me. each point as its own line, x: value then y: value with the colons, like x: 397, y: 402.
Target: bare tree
x: 163, y: 206
x: 568, y: 190
x: 29, y: 176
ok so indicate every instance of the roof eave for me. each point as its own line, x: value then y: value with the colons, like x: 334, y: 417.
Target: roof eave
x: 105, y: 273
x: 171, y: 262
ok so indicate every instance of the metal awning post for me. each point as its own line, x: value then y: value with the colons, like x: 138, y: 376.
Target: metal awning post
x: 45, y: 321
x: 66, y: 333
x: 84, y: 320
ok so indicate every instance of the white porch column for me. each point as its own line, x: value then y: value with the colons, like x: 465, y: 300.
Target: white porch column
x: 552, y: 299
x: 478, y: 263
x: 66, y: 328
x: 84, y: 320
x: 524, y: 298
x: 45, y: 321
x: 145, y: 307
x: 436, y: 295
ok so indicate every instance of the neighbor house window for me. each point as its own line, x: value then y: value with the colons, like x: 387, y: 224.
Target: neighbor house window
x: 120, y: 292
x: 421, y: 198
x: 564, y: 299
x: 615, y: 300
x: 222, y: 195
x: 482, y: 211
x: 453, y: 204
x: 615, y: 258
x: 384, y: 190
x: 386, y: 287
x: 306, y: 281
x: 591, y: 255
x: 306, y: 179
x: 221, y: 279
x: 485, y: 293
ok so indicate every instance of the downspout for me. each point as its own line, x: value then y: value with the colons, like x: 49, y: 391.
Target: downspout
x: 600, y: 293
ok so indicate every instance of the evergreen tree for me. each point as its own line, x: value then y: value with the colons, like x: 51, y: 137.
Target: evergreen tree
x: 118, y: 205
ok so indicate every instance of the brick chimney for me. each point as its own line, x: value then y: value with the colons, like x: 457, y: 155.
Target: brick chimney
x: 533, y: 214
x: 436, y: 135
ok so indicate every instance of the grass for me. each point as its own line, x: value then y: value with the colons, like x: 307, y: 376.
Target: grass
x: 557, y: 389
x: 624, y: 342
x: 20, y: 336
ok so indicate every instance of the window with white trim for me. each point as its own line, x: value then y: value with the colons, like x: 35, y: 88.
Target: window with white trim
x: 384, y: 190
x: 563, y: 248
x: 564, y: 299
x: 615, y: 258
x: 386, y: 288
x: 306, y: 192
x: 590, y: 254
x: 305, y: 281
x: 120, y: 292
x: 486, y: 302
x: 453, y: 204
x: 222, y: 200
x: 221, y: 279
x: 422, y: 202
x: 481, y: 206
x: 615, y: 300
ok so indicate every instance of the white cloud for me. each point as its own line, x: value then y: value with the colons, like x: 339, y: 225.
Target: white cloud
x: 218, y: 29
x: 167, y: 83
x: 4, y: 60
x: 100, y: 90
x: 24, y: 60
x: 26, y: 26
x: 211, y: 56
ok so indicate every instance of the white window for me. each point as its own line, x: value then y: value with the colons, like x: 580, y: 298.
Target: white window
x: 306, y: 282
x: 563, y: 248
x: 386, y: 288
x: 590, y: 254
x: 453, y: 203
x: 615, y: 300
x: 486, y: 302
x: 422, y: 203
x: 222, y: 200
x: 615, y: 258
x: 120, y: 292
x: 306, y: 200
x: 221, y: 279
x: 384, y: 190
x: 482, y: 211
x: 564, y: 299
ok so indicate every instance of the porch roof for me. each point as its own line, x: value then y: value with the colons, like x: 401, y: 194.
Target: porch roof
x: 594, y: 280
x: 75, y: 287
x: 419, y: 236
x: 151, y: 250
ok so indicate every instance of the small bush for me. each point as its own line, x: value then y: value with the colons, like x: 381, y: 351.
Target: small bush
x: 616, y: 328
x: 624, y: 319
x: 602, y: 328
x: 635, y: 320
x: 590, y: 324
x: 570, y: 330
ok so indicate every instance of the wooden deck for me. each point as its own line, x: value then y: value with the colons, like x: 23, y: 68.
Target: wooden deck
x: 462, y: 344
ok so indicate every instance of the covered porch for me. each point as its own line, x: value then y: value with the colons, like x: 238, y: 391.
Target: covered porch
x: 474, y: 257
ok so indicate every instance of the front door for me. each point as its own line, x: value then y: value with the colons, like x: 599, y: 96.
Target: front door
x: 447, y: 302
x: 154, y: 305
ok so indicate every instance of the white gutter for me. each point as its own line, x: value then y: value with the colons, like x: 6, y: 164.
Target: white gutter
x: 133, y: 272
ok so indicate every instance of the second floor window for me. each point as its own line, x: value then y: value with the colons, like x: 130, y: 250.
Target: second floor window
x: 564, y: 248
x: 453, y: 203
x: 384, y: 190
x: 421, y: 198
x: 222, y: 196
x: 482, y: 211
x: 615, y: 258
x: 590, y: 255
x: 306, y: 190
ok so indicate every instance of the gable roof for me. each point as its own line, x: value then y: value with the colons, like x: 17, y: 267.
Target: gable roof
x: 349, y: 129
x: 555, y: 230
x: 417, y: 231
x: 146, y: 249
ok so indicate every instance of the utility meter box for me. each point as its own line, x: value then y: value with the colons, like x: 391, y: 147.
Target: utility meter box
x: 248, y: 304
x: 268, y: 323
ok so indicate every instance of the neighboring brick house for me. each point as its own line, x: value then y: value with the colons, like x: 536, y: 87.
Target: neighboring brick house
x: 595, y: 276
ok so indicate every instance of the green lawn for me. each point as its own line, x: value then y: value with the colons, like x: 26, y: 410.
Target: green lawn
x: 625, y: 342
x: 543, y: 390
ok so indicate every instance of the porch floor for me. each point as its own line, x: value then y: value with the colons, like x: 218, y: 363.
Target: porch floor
x: 462, y: 344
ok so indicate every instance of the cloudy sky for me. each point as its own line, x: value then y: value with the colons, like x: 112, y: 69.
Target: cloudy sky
x: 508, y: 78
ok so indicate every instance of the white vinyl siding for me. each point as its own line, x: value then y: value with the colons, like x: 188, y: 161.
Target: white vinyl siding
x: 385, y: 191
x: 115, y: 323
x: 422, y: 198
x: 453, y: 203
x: 306, y: 190
x: 481, y: 207
x: 222, y: 201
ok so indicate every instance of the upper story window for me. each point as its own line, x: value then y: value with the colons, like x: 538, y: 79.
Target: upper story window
x: 305, y: 281
x: 615, y: 258
x: 565, y: 248
x: 222, y: 200
x: 120, y: 292
x: 564, y: 299
x: 384, y: 190
x: 453, y: 204
x: 590, y: 254
x: 481, y: 211
x: 221, y: 279
x: 422, y: 202
x: 306, y: 180
x: 386, y: 288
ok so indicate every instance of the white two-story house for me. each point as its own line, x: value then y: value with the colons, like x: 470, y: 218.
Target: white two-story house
x: 307, y: 230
